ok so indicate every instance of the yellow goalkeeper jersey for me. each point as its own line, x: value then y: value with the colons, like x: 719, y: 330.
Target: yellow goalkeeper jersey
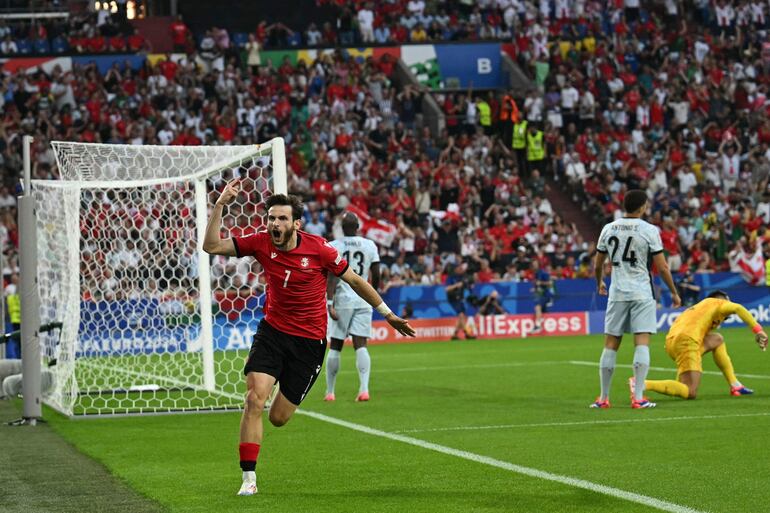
x: 698, y: 320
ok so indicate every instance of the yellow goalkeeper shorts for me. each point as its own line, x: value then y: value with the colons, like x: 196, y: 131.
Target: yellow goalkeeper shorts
x: 686, y: 352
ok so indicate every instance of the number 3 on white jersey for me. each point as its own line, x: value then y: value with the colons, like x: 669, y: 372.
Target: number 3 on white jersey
x: 286, y: 281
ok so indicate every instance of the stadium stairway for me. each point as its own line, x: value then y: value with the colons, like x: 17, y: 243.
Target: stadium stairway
x: 571, y: 211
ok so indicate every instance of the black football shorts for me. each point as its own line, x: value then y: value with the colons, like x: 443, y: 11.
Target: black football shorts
x: 295, y: 362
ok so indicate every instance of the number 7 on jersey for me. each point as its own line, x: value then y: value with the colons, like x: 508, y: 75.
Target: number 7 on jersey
x: 286, y: 281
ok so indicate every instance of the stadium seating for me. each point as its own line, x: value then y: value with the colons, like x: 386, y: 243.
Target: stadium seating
x: 240, y: 39
x: 24, y: 46
x: 41, y: 46
x: 48, y: 35
x: 59, y: 45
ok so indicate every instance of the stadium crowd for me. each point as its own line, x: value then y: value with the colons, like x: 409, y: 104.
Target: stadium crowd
x: 415, y: 21
x: 673, y: 101
x: 630, y: 98
x: 74, y: 33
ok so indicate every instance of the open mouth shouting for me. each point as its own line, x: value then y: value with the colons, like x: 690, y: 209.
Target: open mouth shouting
x: 281, y: 226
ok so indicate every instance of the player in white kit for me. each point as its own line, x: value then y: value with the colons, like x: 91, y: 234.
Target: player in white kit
x: 350, y: 316
x: 632, y: 245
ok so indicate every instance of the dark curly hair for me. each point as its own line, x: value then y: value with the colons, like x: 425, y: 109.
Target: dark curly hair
x: 297, y: 208
x: 634, y: 200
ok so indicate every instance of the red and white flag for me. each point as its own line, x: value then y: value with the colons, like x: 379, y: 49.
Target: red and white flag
x: 452, y: 213
x: 381, y: 232
x: 750, y: 266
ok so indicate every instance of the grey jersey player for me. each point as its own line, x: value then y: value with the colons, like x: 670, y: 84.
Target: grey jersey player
x: 632, y: 245
x: 349, y: 315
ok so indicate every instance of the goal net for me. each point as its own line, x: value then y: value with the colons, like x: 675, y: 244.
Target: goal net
x: 150, y: 323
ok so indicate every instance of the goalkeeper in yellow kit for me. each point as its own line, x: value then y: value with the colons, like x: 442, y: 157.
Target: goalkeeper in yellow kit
x: 691, y: 336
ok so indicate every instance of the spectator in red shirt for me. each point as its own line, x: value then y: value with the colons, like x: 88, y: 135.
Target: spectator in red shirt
x: 286, y: 69
x: 187, y: 138
x: 335, y: 91
x: 329, y: 36
x: 398, y: 33
x: 117, y: 43
x: 485, y: 274
x: 180, y: 35
x: 78, y: 43
x: 568, y: 271
x: 386, y: 64
x: 168, y: 68
x: 94, y: 107
x: 670, y: 238
x: 323, y: 188
x: 226, y: 128
x: 136, y: 41
x: 97, y: 44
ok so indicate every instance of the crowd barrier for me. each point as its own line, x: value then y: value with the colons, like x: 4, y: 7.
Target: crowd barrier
x: 506, y: 326
x: 577, y: 310
x: 569, y: 295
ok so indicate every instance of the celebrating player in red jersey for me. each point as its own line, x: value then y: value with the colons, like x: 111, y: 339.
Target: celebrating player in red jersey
x: 290, y: 342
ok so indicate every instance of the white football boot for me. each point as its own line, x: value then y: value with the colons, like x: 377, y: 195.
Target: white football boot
x: 249, y: 485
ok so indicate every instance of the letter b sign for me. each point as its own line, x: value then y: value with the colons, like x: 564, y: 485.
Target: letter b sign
x: 483, y: 66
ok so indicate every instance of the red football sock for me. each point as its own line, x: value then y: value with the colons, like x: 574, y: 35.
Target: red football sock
x: 249, y: 453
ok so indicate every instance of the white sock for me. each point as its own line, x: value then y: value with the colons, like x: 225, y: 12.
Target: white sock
x: 332, y: 367
x: 606, y: 369
x: 364, y: 365
x: 641, y: 367
x: 250, y: 476
x: 737, y: 384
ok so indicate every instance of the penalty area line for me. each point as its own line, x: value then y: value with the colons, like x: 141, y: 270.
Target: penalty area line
x: 666, y: 369
x: 391, y: 370
x: 511, y: 467
x: 584, y: 423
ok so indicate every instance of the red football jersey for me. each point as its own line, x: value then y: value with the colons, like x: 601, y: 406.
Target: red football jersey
x: 296, y: 280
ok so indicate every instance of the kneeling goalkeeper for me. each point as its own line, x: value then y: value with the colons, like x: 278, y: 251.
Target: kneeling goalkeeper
x: 691, y: 336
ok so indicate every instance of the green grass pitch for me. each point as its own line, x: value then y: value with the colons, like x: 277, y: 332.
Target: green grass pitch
x: 522, y: 402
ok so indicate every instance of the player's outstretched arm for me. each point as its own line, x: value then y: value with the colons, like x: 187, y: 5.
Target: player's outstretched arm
x: 729, y: 308
x: 213, y: 243
x: 368, y: 294
x: 659, y: 260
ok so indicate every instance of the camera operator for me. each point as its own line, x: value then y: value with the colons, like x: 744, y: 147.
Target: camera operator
x: 487, y: 305
x: 458, y: 284
x: 543, y: 290
x: 689, y: 290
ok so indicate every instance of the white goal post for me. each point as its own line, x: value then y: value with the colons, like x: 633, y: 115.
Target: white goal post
x: 150, y: 322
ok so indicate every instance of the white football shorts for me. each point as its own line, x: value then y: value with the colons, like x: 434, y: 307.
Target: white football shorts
x: 352, y: 321
x: 630, y: 317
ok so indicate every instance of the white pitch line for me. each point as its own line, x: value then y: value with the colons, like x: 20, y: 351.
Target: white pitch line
x: 129, y: 372
x: 666, y: 369
x: 583, y: 423
x: 518, y: 469
x: 466, y: 366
